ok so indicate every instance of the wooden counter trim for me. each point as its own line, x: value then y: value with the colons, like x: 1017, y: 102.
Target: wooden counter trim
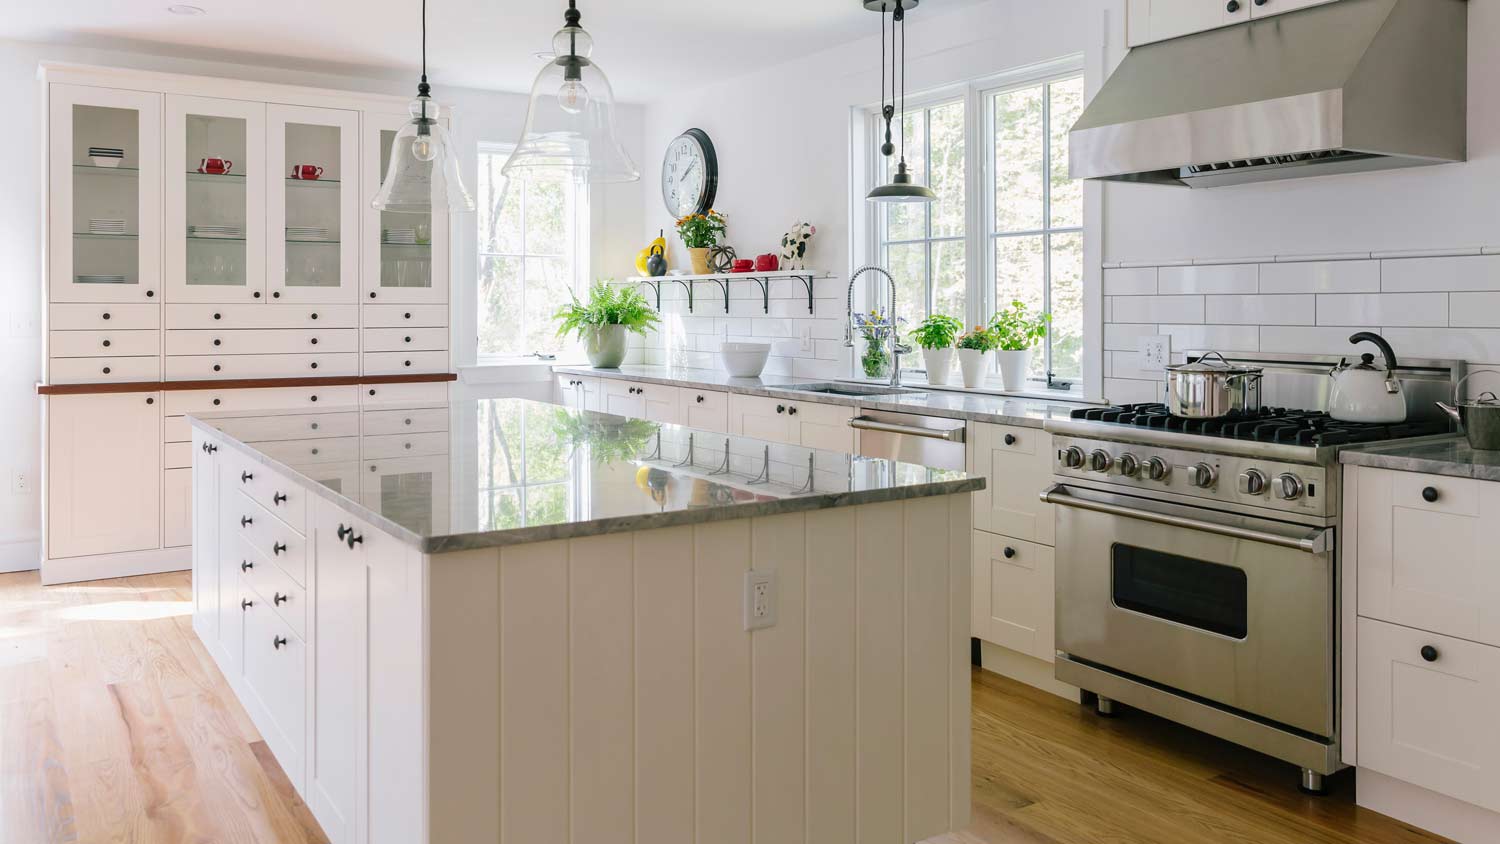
x: 240, y: 383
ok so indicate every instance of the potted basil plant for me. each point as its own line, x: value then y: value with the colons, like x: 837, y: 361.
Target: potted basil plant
x: 975, y: 351
x: 602, y: 323
x: 1016, y: 333
x: 936, y: 335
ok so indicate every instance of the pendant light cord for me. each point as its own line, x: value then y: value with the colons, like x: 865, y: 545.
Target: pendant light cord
x: 899, y: 16
x: 423, y: 89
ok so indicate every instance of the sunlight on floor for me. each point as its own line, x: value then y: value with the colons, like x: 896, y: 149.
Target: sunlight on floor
x: 127, y: 611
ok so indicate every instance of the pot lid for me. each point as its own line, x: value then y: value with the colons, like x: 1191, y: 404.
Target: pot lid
x: 1484, y: 399
x: 1366, y: 361
x: 1205, y: 364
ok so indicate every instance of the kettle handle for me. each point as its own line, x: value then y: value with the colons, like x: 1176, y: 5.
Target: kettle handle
x: 1385, y: 348
x: 1459, y: 387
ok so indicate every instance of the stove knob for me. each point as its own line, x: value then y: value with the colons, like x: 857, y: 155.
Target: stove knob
x: 1100, y: 460
x: 1073, y: 458
x: 1252, y: 482
x: 1202, y: 475
x: 1288, y: 486
x: 1130, y: 465
x: 1157, y: 469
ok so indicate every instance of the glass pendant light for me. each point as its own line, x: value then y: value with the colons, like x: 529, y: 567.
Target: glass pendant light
x: 901, y: 188
x: 423, y: 170
x: 570, y: 123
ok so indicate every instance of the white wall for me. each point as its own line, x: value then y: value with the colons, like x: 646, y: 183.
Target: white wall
x: 481, y: 116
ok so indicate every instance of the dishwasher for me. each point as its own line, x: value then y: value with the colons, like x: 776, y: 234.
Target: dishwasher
x: 933, y: 441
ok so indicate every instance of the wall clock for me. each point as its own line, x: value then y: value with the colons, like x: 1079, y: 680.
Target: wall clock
x: 689, y: 174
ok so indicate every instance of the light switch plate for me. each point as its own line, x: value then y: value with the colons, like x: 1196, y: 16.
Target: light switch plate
x: 760, y: 599
x: 1156, y: 349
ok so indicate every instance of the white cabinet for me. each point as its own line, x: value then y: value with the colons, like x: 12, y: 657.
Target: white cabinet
x: 104, y: 473
x: 1012, y: 592
x: 177, y: 507
x: 405, y: 254
x: 656, y: 402
x: 1018, y: 463
x: 276, y: 676
x: 581, y: 392
x: 313, y: 206
x: 1268, y: 8
x: 706, y: 410
x: 761, y: 418
x: 1158, y: 20
x: 206, y: 584
x: 824, y: 426
x: 810, y: 424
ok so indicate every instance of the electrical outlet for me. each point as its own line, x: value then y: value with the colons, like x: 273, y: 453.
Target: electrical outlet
x: 760, y: 599
x: 805, y: 332
x: 1155, y: 350
x: 20, y: 483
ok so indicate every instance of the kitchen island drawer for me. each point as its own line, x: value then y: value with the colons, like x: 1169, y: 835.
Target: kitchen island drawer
x: 284, y: 595
x: 73, y: 317
x: 107, y: 343
x: 262, y: 341
x: 275, y: 662
x: 103, y: 370
x: 279, y: 543
x: 220, y: 367
x: 219, y: 317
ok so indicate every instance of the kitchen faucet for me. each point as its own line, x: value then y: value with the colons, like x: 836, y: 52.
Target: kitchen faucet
x: 897, y: 347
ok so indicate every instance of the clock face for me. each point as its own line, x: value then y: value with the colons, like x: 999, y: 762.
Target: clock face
x: 689, y: 174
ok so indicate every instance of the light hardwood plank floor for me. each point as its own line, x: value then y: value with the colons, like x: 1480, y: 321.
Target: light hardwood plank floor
x: 115, y: 726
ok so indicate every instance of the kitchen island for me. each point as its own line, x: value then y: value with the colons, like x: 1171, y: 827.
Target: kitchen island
x: 508, y: 621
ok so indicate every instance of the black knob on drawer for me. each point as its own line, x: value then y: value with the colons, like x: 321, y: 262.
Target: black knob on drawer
x: 150, y: 293
x: 1232, y: 6
x: 256, y: 294
x: 1429, y: 653
x: 1009, y: 552
x: 150, y: 400
x: 106, y: 370
x: 217, y: 367
x: 781, y: 408
x: 406, y: 363
x: 218, y: 342
x: 315, y: 425
x: 1261, y: 2
x: 277, y: 547
x: 372, y: 294
x: 343, y: 531
x: 278, y: 598
x: 106, y: 314
x: 276, y: 294
x: 314, y: 364
x: 245, y: 605
x: 314, y: 315
x: 406, y: 315
x: 278, y: 498
x: 315, y: 451
x: 315, y: 341
x: 791, y: 411
x: 1010, y: 439
x: 372, y: 392
x: 406, y: 339
x: 246, y: 565
x: 106, y: 344
x: 245, y: 521
x: 216, y: 316
x: 406, y: 421
x: 313, y: 398
x: 216, y: 402
x: 700, y: 400
x: 353, y: 539
x: 246, y: 477
x: 277, y: 642
x: 1429, y: 494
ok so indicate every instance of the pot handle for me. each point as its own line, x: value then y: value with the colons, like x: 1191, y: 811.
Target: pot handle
x: 1385, y: 348
x: 1206, y: 355
x: 1459, y: 387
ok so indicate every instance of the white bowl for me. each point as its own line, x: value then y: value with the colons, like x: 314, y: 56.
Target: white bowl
x: 744, y: 360
x: 105, y: 161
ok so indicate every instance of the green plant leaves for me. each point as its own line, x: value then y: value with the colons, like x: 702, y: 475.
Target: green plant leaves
x: 607, y: 305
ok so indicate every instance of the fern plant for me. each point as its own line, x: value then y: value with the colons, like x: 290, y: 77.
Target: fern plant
x: 606, y: 306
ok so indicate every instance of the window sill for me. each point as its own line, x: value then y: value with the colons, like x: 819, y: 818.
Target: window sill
x: 499, y: 370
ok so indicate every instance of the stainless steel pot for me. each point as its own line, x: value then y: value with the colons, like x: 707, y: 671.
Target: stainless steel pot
x: 1207, y: 390
x: 1480, y: 417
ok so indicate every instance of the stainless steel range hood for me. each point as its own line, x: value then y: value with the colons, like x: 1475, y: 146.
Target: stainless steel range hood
x: 1343, y: 87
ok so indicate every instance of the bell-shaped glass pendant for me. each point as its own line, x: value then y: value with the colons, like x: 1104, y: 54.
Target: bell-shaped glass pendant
x: 570, y: 123
x: 423, y: 170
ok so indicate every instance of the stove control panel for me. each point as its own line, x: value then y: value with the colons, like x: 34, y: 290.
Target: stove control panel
x: 1268, y: 484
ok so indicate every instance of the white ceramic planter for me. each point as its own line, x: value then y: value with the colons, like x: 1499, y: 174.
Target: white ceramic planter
x: 939, y: 363
x: 1013, y: 366
x: 605, y: 346
x: 975, y: 365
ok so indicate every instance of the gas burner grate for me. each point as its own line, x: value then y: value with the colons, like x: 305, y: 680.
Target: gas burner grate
x: 1268, y: 424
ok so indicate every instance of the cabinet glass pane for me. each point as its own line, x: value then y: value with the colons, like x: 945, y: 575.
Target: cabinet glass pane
x: 313, y: 186
x: 216, y: 204
x: 405, y: 239
x: 106, y: 195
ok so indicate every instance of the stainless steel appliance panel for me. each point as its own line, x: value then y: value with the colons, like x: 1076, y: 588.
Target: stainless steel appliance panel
x: 932, y: 441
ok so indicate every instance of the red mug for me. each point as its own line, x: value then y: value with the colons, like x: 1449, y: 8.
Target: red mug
x: 767, y: 262
x: 742, y: 265
x: 307, y: 171
x: 216, y: 166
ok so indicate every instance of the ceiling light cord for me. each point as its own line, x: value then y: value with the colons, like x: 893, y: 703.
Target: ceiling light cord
x: 423, y: 89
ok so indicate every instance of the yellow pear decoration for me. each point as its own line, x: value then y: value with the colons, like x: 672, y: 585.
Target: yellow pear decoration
x: 641, y: 256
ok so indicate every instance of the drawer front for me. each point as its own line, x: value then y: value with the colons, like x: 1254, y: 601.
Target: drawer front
x: 400, y: 363
x: 71, y: 317
x: 403, y: 339
x: 374, y: 394
x: 271, y: 536
x: 299, y: 426
x: 175, y: 429
x: 262, y: 341
x: 401, y: 316
x: 219, y: 317
x: 405, y: 445
x: 103, y: 370
x: 280, y: 497
x: 1019, y: 460
x: 211, y: 367
x: 272, y: 585
x: 275, y: 670
x: 411, y: 421
x: 1012, y: 593
x: 273, y: 398
x: 106, y: 343
x: 706, y: 410
x: 299, y: 452
x: 1433, y: 565
x: 177, y: 455
x: 1429, y: 723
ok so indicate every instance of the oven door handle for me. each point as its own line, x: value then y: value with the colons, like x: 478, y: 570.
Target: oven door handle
x: 864, y: 423
x: 1315, y: 541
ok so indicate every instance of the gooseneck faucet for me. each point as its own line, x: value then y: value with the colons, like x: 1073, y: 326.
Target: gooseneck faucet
x: 897, y: 347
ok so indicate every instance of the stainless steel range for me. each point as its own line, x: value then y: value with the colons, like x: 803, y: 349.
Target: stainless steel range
x: 1197, y: 565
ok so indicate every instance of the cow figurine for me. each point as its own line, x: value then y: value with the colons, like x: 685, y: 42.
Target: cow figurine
x: 794, y: 246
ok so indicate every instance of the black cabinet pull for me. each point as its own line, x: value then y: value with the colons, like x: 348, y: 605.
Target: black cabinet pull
x: 1429, y: 494
x: 216, y: 367
x: 315, y: 341
x: 1009, y: 552
x: 150, y: 293
x: 407, y: 363
x: 212, y: 448
x: 314, y: 314
x: 277, y: 498
x: 246, y: 477
x: 106, y: 344
x: 372, y: 392
x: 216, y: 316
x: 1233, y: 6
x: 1010, y: 439
x: 314, y: 398
x: 245, y: 604
x: 203, y: 448
x: 277, y: 547
x: 1261, y: 2
x: 256, y: 294
x: 277, y: 642
x: 407, y: 339
x: 106, y: 370
x: 372, y: 294
x: 276, y: 294
x: 216, y: 402
x: 314, y: 364
x: 315, y: 451
x: 700, y: 400
x: 781, y: 408
x: 407, y: 446
x: 106, y: 314
x: 218, y: 342
x: 315, y: 425
x: 344, y: 531
x: 791, y: 411
x: 246, y: 565
x: 353, y: 539
x: 246, y: 521
x: 278, y: 598
x: 150, y: 400
x: 1429, y: 653
x: 406, y: 315
x: 406, y: 421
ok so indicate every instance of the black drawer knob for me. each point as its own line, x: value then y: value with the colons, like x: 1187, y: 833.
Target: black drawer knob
x: 246, y: 521
x: 353, y: 539
x: 1233, y: 6
x: 216, y: 402
x: 406, y: 315
x: 407, y: 363
x: 278, y: 498
x: 315, y: 451
x: 106, y: 370
x: 1009, y: 552
x: 313, y: 398
x: 276, y: 294
x: 1429, y: 494
x: 278, y: 598
x: 218, y: 342
x: 314, y: 315
x: 217, y: 367
x: 277, y: 547
x: 700, y: 400
x: 278, y: 642
x: 315, y: 425
x: 106, y: 344
x: 256, y: 294
x: 406, y: 421
x: 314, y: 364
x: 315, y: 341
x: 1261, y: 2
x: 1429, y: 653
x: 246, y: 565
x: 372, y: 294
x: 344, y: 532
x: 150, y: 400
x: 106, y: 314
x: 245, y: 604
x: 781, y: 408
x: 216, y: 316
x: 1010, y: 439
x: 150, y: 293
x: 791, y: 411
x: 406, y: 339
x: 246, y: 477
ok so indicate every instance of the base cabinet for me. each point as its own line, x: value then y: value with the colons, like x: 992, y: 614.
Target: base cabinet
x: 113, y: 436
x: 1013, y: 589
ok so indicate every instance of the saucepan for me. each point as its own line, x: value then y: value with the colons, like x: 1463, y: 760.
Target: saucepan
x: 1205, y: 389
x: 1480, y: 417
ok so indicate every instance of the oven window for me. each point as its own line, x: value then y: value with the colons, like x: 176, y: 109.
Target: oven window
x: 1208, y: 596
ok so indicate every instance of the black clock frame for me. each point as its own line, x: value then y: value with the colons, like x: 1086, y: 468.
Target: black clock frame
x: 710, y: 170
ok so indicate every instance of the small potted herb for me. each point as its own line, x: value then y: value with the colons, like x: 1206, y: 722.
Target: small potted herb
x: 602, y: 323
x: 700, y: 233
x: 936, y: 335
x: 974, y: 352
x: 876, y: 328
x: 1017, y: 332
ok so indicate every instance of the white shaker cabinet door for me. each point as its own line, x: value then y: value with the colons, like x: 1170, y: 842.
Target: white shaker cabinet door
x: 1158, y: 20
x: 762, y: 418
x: 104, y: 474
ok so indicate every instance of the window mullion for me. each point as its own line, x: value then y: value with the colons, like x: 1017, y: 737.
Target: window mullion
x: 1047, y: 224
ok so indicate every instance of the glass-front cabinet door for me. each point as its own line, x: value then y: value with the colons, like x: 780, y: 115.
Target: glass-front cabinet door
x: 312, y: 216
x: 105, y: 186
x: 215, y: 214
x: 406, y: 255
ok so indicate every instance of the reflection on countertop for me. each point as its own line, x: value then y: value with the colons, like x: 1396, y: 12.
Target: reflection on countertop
x: 1448, y: 456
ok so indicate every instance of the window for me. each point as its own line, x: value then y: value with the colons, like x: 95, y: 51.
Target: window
x: 533, y: 243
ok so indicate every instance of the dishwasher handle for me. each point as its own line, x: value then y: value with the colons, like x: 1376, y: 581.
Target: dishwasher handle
x: 864, y: 423
x: 1315, y: 541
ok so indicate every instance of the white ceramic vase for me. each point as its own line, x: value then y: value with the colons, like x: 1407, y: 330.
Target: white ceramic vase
x: 1013, y: 367
x: 605, y: 346
x: 939, y: 363
x: 975, y: 365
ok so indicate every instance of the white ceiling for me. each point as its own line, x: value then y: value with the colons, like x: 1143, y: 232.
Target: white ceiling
x: 648, y: 48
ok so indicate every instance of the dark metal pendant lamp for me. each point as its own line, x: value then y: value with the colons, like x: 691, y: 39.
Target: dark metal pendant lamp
x: 901, y: 187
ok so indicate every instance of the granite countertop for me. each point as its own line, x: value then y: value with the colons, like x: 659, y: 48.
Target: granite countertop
x: 1447, y: 456
x: 977, y: 407
x: 483, y: 473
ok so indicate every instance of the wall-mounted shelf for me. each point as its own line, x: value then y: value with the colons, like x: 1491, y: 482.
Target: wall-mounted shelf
x: 723, y: 280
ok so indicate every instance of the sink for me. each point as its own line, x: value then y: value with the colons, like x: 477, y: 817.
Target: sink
x: 833, y: 388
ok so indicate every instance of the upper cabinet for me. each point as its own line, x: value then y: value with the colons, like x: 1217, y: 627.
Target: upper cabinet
x: 312, y: 218
x: 406, y: 255
x: 1158, y: 20
x: 105, y: 195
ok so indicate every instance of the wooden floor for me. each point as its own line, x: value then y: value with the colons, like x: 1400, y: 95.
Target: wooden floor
x: 115, y: 726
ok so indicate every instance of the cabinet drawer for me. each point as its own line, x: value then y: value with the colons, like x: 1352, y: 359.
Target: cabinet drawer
x: 281, y: 545
x: 706, y: 410
x: 1429, y: 722
x: 177, y: 455
x: 410, y: 421
x: 94, y: 343
x: 274, y: 587
x: 275, y: 671
x: 432, y: 391
x: 405, y: 445
x: 1012, y: 593
x: 272, y: 398
x: 402, y: 339
x: 1018, y: 462
x: 262, y: 341
x: 299, y: 426
x: 277, y: 495
x: 399, y: 316
x: 210, y: 367
x: 399, y: 363
x: 219, y: 317
x: 175, y: 429
x: 298, y: 452
x: 68, y: 317
x: 103, y: 370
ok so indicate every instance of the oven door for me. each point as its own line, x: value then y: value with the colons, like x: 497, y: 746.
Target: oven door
x: 1233, y: 609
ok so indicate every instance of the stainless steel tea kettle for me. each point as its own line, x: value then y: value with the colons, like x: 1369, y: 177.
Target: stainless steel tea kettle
x: 1364, y: 392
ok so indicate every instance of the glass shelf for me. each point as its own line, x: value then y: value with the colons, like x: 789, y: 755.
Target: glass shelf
x: 96, y: 170
x: 313, y: 183
x: 92, y: 236
x: 417, y: 246
x: 291, y: 241
x: 226, y: 178
x: 213, y: 239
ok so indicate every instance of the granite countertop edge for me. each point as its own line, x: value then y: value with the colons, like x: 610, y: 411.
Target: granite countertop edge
x: 1459, y: 459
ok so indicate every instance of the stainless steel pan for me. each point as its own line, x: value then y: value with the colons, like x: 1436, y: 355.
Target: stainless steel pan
x: 1204, y: 389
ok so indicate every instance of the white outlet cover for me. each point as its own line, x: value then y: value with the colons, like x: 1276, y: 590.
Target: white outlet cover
x: 760, y: 599
x: 1156, y: 350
